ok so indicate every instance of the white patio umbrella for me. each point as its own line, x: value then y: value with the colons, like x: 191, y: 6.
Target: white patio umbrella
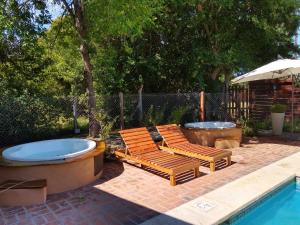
x: 277, y: 69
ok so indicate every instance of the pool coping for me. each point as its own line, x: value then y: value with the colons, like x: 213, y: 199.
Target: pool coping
x: 220, y: 204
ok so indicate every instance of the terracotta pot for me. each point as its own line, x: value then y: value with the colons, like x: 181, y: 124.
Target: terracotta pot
x: 277, y: 123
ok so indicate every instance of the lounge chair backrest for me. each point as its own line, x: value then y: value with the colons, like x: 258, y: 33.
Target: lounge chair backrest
x: 171, y: 134
x: 138, y: 141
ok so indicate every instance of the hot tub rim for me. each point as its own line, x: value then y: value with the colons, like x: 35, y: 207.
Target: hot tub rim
x: 97, y: 150
x: 214, y: 128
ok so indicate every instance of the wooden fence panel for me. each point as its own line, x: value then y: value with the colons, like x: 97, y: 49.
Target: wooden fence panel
x: 232, y: 104
x: 239, y: 102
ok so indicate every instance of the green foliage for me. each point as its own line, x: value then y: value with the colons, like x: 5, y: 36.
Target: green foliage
x: 288, y: 126
x: 248, y: 127
x: 25, y: 117
x: 21, y: 62
x: 278, y: 108
x: 154, y: 116
x: 107, y: 123
x: 190, y: 46
x: 168, y: 46
x: 119, y: 18
x: 64, y: 69
x: 263, y: 125
x: 177, y: 114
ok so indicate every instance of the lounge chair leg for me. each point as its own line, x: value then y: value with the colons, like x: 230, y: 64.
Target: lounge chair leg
x: 172, y: 180
x: 228, y: 160
x: 196, y: 172
x: 212, y: 166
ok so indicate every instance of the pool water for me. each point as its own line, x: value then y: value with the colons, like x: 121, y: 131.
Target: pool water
x: 281, y: 207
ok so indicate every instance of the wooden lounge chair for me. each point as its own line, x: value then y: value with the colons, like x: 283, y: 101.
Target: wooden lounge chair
x: 175, y: 141
x: 140, y: 148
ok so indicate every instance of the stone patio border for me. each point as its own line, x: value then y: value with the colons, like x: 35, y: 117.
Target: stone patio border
x: 219, y: 205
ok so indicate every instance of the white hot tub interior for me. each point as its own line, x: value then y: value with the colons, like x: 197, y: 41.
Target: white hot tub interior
x: 57, y: 149
x: 210, y: 125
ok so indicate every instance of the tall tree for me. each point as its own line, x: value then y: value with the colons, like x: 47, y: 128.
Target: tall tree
x: 238, y: 35
x: 76, y: 10
x: 94, y: 21
x: 181, y: 45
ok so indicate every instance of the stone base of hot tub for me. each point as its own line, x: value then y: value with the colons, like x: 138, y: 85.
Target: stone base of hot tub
x: 60, y: 175
x: 207, y: 137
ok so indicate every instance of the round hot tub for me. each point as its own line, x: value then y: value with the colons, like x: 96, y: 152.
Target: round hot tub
x: 210, y: 125
x: 66, y: 164
x: 43, y: 151
x: 206, y: 133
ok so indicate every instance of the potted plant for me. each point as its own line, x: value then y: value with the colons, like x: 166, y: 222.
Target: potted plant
x: 277, y: 115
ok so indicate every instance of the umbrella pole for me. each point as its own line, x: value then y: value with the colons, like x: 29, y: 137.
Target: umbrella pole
x: 292, y: 103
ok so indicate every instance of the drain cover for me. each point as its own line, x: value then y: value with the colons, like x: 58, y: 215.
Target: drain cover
x: 205, y: 206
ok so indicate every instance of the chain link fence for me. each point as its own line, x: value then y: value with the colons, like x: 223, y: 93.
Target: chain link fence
x: 153, y: 109
x: 28, y: 118
x: 217, y: 107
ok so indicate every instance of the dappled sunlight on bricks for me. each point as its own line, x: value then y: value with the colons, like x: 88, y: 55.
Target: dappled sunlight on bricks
x: 129, y: 195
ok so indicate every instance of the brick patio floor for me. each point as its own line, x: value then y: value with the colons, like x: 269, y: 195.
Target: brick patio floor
x: 128, y: 195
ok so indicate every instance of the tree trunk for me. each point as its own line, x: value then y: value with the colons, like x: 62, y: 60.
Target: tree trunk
x: 215, y: 73
x: 94, y: 125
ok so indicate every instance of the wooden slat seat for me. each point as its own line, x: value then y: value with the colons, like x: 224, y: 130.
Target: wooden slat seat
x: 141, y: 149
x: 175, y: 141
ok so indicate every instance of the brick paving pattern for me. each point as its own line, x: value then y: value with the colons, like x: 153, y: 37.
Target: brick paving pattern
x: 128, y: 195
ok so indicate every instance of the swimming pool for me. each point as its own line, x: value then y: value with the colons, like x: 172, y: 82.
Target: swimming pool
x: 280, y: 207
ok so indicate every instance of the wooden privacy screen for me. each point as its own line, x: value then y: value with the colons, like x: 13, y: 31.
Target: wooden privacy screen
x: 267, y: 92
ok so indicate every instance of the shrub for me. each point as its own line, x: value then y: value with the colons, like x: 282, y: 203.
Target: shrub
x: 287, y: 127
x: 248, y: 127
x: 26, y: 118
x: 264, y: 125
x: 177, y: 115
x: 154, y: 116
x: 106, y: 123
x: 278, y: 108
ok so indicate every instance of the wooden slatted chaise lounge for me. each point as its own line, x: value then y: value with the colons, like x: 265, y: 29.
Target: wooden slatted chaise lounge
x: 140, y: 148
x: 175, y: 141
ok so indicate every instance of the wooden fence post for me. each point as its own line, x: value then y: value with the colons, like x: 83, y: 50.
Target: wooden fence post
x: 202, y: 106
x: 238, y: 102
x: 251, y: 102
x: 121, y: 98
